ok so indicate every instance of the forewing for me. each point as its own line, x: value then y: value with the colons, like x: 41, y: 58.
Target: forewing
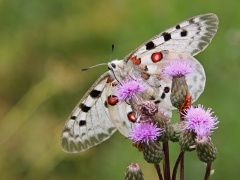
x: 89, y: 123
x: 190, y: 36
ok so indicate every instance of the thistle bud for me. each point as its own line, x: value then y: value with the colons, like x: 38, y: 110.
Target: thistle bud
x: 152, y: 152
x: 179, y: 91
x: 176, y: 130
x: 134, y: 172
x: 206, y: 151
x: 163, y: 122
x: 187, y: 140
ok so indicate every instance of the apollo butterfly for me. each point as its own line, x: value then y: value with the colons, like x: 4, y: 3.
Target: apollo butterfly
x: 99, y: 113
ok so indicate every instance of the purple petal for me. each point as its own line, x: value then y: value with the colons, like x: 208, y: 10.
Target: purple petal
x: 178, y: 67
x: 200, y: 120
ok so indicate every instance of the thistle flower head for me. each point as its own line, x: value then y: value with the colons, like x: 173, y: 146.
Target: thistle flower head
x: 148, y: 108
x: 130, y: 87
x: 145, y: 132
x: 177, y: 67
x: 200, y: 120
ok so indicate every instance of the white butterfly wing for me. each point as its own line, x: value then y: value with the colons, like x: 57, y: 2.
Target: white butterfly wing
x: 89, y: 123
x: 190, y: 36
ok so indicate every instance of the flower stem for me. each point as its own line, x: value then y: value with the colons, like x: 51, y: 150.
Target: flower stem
x: 167, y: 175
x: 158, y: 171
x: 180, y: 157
x: 208, y: 170
x: 182, y: 167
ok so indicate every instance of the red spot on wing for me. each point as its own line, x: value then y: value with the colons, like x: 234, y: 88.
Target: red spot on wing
x: 145, y: 75
x: 156, y: 57
x: 109, y: 80
x: 131, y: 117
x: 135, y: 60
x: 166, y: 89
x: 143, y: 67
x: 112, y: 100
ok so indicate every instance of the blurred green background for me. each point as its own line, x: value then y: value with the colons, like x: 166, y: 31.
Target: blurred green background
x: 43, y: 46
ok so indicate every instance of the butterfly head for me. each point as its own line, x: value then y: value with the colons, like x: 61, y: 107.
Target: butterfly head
x: 117, y: 69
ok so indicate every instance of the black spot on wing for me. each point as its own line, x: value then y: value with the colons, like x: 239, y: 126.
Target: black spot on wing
x: 191, y: 21
x: 178, y: 26
x: 163, y: 95
x: 106, y: 104
x: 146, y: 68
x: 73, y: 117
x: 183, y: 33
x: 166, y: 36
x: 82, y: 123
x: 157, y: 101
x: 84, y: 108
x: 152, y: 98
x: 95, y: 93
x: 195, y: 79
x: 150, y: 45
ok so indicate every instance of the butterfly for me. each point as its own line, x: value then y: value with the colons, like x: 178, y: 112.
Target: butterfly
x: 99, y: 114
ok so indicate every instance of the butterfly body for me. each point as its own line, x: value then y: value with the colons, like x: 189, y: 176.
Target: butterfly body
x: 99, y: 113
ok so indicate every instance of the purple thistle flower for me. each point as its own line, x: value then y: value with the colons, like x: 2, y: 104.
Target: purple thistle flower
x: 128, y: 88
x: 200, y: 120
x: 178, y: 67
x: 144, y: 132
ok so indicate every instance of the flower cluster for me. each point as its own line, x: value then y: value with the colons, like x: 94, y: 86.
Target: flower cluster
x: 144, y: 130
x: 152, y: 126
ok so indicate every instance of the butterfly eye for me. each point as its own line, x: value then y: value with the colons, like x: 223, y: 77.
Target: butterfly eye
x: 113, y: 65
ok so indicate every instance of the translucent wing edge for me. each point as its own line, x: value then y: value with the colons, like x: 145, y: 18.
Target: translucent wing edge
x: 77, y: 138
x: 209, y: 22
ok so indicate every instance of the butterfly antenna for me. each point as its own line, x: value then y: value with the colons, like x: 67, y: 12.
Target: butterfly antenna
x: 110, y: 60
x: 85, y: 69
x: 111, y: 52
